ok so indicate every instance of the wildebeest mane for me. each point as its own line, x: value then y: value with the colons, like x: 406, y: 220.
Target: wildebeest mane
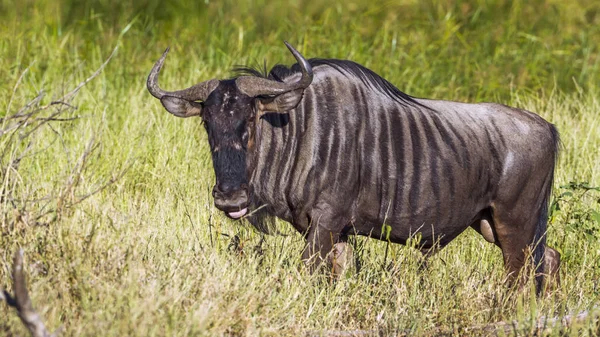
x: 367, y: 77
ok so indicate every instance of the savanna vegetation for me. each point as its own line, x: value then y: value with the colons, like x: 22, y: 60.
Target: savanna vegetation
x: 109, y: 196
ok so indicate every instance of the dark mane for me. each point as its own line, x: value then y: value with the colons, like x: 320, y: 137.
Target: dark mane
x: 258, y: 71
x: 367, y: 76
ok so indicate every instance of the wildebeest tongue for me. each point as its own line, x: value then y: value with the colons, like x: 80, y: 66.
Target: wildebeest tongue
x: 238, y: 214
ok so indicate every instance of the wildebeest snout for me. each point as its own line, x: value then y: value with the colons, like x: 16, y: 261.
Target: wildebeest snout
x: 231, y: 200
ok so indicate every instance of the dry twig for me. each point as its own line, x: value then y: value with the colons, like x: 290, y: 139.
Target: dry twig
x: 22, y: 303
x: 20, y: 128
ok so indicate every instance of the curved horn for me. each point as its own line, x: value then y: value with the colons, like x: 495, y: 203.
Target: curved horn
x: 197, y: 92
x: 256, y: 86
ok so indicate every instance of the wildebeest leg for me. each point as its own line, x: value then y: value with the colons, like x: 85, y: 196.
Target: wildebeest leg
x: 552, y: 267
x: 341, y: 257
x: 319, y: 243
x: 514, y: 229
x: 324, y: 234
x: 485, y: 226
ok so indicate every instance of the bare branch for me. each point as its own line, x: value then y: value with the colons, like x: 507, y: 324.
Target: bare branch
x: 17, y: 131
x: 21, y: 301
x: 42, y: 123
x: 61, y: 101
x: 51, y: 119
x: 34, y: 102
x: 64, y: 103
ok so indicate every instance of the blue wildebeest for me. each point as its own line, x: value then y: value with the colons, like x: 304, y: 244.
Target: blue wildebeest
x: 336, y: 150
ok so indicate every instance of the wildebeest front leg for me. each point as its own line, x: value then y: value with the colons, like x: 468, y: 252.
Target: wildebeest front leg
x: 325, y: 243
x: 342, y: 257
x: 319, y: 244
x: 339, y: 255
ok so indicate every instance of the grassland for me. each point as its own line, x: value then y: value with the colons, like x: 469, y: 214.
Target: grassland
x: 148, y: 255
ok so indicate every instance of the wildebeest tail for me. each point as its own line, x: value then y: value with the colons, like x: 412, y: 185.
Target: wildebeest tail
x: 539, y: 240
x: 539, y: 248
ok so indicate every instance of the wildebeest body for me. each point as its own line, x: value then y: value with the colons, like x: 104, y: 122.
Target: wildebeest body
x: 337, y: 150
x: 356, y: 157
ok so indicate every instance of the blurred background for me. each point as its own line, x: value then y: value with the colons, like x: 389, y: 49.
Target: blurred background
x: 472, y: 49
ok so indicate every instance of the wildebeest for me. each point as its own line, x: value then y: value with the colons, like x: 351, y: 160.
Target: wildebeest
x: 336, y: 150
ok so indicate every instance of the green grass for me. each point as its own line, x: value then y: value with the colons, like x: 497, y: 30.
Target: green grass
x: 150, y: 255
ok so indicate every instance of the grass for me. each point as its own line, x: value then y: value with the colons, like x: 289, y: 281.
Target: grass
x: 150, y: 255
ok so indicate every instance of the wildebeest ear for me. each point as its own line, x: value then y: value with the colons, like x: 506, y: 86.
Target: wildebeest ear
x: 181, y: 107
x: 281, y: 103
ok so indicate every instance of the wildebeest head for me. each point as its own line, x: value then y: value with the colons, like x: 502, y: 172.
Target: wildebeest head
x: 229, y: 109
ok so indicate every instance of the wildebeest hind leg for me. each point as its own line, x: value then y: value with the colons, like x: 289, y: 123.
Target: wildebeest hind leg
x: 552, y: 267
x: 514, y: 230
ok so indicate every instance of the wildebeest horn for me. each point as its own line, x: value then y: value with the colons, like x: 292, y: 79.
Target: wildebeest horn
x: 198, y: 92
x: 255, y: 86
